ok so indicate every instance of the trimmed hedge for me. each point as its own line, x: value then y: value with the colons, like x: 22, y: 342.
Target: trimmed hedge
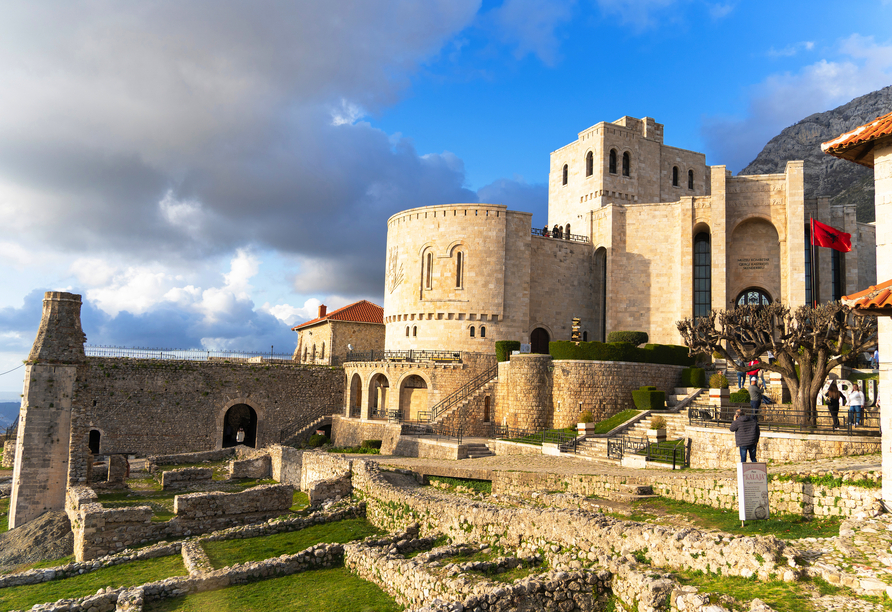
x: 371, y: 444
x: 667, y: 354
x: 648, y: 398
x: 693, y: 377
x: 635, y: 338
x: 741, y: 397
x: 504, y: 349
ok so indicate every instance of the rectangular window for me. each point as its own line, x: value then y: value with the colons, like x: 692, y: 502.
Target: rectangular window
x: 808, y: 297
x: 837, y: 267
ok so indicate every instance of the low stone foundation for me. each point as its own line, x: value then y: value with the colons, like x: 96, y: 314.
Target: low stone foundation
x: 9, y: 454
x: 286, y: 464
x: 258, y: 467
x: 352, y: 432
x: 274, y: 499
x: 185, y: 477
x: 319, y: 466
x: 153, y: 461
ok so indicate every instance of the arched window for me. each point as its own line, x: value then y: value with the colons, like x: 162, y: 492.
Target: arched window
x: 566, y: 172
x: 675, y: 176
x: 428, y: 269
x: 627, y: 164
x: 313, y: 354
x: 459, y: 262
x: 407, y: 331
x: 753, y: 297
x: 690, y: 179
x: 414, y: 331
x: 472, y: 331
x: 483, y: 331
x: 322, y: 353
x: 306, y: 353
x: 567, y: 232
x: 589, y: 164
x: 837, y: 274
x: 486, y: 409
x: 611, y: 164
x: 702, y: 275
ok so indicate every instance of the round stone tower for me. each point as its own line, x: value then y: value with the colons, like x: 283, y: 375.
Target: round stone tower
x: 529, y: 392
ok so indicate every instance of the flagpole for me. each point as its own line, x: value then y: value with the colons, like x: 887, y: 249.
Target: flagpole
x: 811, y: 239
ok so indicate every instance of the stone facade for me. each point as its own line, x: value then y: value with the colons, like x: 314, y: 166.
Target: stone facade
x: 185, y: 477
x: 327, y: 342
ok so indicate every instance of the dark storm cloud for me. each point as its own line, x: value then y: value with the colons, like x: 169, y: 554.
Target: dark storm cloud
x: 184, y: 130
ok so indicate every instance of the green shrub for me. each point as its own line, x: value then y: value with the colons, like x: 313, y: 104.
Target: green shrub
x: 693, y: 377
x: 741, y: 396
x: 504, y: 349
x: 586, y: 417
x: 718, y: 381
x: 671, y: 354
x: 648, y: 398
x: 658, y: 422
x: 668, y: 354
x: 317, y: 440
x: 635, y: 338
x: 371, y: 444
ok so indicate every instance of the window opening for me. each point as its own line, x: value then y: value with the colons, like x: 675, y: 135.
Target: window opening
x: 585, y: 336
x: 675, y: 176
x: 702, y: 275
x: 690, y: 179
x: 627, y: 164
x: 808, y: 297
x: 407, y: 331
x: 458, y: 269
x: 589, y: 164
x: 414, y: 331
x: 483, y: 331
x: 472, y: 331
x: 429, y: 263
x: 837, y: 278
x: 753, y: 297
x: 611, y: 165
x: 566, y: 173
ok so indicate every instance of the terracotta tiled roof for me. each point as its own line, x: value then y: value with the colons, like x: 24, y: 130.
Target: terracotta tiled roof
x: 875, y: 300
x: 362, y: 311
x: 857, y: 145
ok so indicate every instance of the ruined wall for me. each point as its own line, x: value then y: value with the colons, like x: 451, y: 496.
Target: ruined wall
x: 148, y: 407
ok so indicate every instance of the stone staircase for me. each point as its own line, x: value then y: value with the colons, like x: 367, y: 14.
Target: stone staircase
x: 477, y: 450
x: 627, y: 493
x: 456, y: 413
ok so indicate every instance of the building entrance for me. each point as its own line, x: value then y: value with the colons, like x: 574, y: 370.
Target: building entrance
x: 240, y: 416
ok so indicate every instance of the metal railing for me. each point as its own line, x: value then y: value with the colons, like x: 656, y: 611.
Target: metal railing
x: 567, y: 441
x: 463, y: 392
x: 676, y: 452
x: 433, y: 430
x: 410, y: 356
x: 549, y: 234
x: 774, y: 418
x: 184, y: 354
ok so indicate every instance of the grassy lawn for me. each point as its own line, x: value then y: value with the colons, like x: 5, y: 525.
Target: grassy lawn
x: 4, y: 514
x: 334, y: 590
x: 536, y: 438
x: 127, y: 574
x: 481, y: 486
x: 221, y: 468
x: 608, y: 425
x: 786, y: 527
x: 299, y: 500
x: 230, y: 552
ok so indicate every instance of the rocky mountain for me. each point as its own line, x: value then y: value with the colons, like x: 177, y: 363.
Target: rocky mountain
x: 842, y: 181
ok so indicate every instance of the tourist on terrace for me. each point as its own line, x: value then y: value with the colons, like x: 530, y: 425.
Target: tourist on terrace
x: 856, y: 402
x: 832, y: 399
x: 875, y: 362
x: 556, y: 231
x: 746, y: 435
x: 755, y: 372
x: 545, y: 230
x: 755, y: 397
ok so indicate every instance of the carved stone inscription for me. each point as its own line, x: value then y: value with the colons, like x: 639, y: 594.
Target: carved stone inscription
x: 752, y: 263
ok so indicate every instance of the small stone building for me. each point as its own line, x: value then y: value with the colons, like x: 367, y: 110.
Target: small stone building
x: 331, y: 336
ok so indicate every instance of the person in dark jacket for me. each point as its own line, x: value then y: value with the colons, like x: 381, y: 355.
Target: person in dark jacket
x: 746, y: 435
x: 755, y: 397
x: 832, y: 399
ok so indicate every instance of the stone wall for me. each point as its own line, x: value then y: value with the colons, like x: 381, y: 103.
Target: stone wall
x: 156, y: 407
x: 153, y: 461
x: 713, y: 447
x: 8, y: 454
x: 286, y: 464
x: 261, y: 499
x: 352, y: 432
x: 257, y: 467
x: 319, y: 466
x: 185, y: 477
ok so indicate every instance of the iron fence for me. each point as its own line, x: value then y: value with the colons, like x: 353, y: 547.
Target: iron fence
x: 676, y: 452
x: 548, y: 234
x: 775, y: 418
x: 433, y: 430
x: 185, y: 354
x: 410, y: 356
x: 566, y: 440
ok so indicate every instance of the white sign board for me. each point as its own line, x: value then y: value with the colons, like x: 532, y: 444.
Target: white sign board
x: 752, y: 491
x: 524, y: 348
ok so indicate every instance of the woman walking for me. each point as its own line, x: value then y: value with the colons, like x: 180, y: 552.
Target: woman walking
x: 832, y: 399
x: 856, y: 402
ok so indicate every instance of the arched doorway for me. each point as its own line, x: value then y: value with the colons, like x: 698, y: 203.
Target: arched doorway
x: 355, y: 397
x: 753, y: 296
x: 378, y: 388
x: 240, y: 416
x: 413, y: 397
x: 95, y: 438
x: 487, y: 409
x: 539, y: 340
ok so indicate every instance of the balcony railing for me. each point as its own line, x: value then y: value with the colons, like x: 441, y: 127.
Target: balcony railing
x: 569, y: 238
x: 410, y: 356
x: 184, y: 354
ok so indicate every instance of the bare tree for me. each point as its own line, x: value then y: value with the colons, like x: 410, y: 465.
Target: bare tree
x: 807, y: 342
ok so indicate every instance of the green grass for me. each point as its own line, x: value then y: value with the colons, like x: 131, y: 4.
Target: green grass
x: 127, y: 574
x: 334, y: 590
x: 667, y: 446
x: 828, y: 480
x: 608, y: 425
x: 481, y: 486
x: 221, y: 468
x: 536, y: 438
x: 358, y: 450
x: 230, y: 552
x: 4, y: 514
x: 856, y: 376
x: 786, y: 527
x: 299, y: 500
x: 40, y: 564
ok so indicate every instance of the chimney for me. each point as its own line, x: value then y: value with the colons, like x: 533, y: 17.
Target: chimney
x: 322, y: 310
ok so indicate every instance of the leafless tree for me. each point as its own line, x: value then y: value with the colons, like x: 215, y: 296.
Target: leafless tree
x: 807, y: 343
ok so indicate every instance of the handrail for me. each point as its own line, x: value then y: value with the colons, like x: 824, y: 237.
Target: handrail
x: 463, y: 392
x: 571, y: 238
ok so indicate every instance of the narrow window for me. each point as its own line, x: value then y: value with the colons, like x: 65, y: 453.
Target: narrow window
x: 690, y: 179
x: 472, y: 331
x: 611, y: 166
x: 808, y: 298
x: 589, y: 164
x: 483, y: 331
x: 675, y: 176
x: 567, y: 232
x: 702, y: 275
x: 407, y: 331
x: 627, y: 164
x: 429, y: 265
x: 322, y: 353
x: 458, y: 269
x: 585, y: 336
x: 566, y: 172
x: 414, y: 331
x: 837, y: 276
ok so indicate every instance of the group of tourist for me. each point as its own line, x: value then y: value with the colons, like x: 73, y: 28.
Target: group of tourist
x: 556, y: 232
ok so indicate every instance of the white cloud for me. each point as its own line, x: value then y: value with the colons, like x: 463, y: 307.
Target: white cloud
x: 791, y: 50
x: 346, y: 113
x: 640, y: 14
x: 530, y: 26
x: 719, y: 10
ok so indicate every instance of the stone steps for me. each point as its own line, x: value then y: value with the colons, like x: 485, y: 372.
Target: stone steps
x: 628, y: 493
x: 477, y: 450
x: 457, y: 409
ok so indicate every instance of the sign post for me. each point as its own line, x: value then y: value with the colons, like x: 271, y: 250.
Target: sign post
x: 752, y: 491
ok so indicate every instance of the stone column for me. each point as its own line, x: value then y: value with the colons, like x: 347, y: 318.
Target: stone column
x: 794, y: 292
x: 529, y: 392
x: 718, y: 238
x: 882, y: 170
x: 43, y: 444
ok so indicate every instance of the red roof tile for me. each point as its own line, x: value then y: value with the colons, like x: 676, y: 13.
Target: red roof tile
x: 857, y: 145
x: 876, y: 300
x: 362, y: 311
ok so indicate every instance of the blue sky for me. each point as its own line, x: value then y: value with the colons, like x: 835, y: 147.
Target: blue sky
x: 206, y: 173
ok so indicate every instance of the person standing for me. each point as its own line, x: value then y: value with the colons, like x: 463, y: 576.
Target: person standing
x: 876, y: 359
x: 746, y: 435
x: 755, y: 397
x: 240, y: 436
x: 856, y: 403
x: 832, y: 399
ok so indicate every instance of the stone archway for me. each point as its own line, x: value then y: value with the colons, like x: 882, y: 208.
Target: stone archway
x: 240, y: 416
x: 354, y: 407
x: 754, y: 259
x: 413, y: 397
x: 378, y: 391
x: 539, y: 339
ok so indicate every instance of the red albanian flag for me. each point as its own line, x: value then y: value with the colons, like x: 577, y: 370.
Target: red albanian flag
x: 825, y: 236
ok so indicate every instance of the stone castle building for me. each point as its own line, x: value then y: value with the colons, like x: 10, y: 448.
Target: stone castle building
x: 649, y: 234
x: 332, y: 336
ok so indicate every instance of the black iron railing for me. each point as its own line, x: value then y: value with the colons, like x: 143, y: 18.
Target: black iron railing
x: 410, y: 356
x: 775, y: 418
x: 433, y: 430
x: 568, y: 237
x: 185, y: 354
x: 463, y: 392
x: 566, y: 440
x: 676, y: 452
